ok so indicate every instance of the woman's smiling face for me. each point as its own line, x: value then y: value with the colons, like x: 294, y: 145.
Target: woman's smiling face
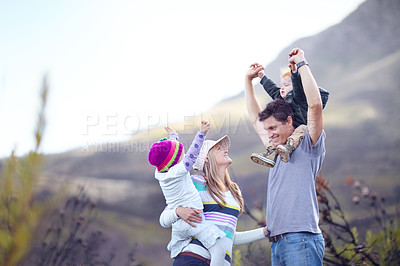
x: 221, y: 155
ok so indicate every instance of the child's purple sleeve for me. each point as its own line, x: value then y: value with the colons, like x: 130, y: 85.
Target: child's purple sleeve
x: 174, y: 137
x: 194, y: 150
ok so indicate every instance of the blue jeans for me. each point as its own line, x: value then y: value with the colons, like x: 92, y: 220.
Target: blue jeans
x: 298, y: 249
x: 183, y: 260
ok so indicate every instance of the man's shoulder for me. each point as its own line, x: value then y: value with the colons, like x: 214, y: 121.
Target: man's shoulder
x: 306, y: 143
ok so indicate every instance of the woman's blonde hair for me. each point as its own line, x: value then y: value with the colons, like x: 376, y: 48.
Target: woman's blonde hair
x: 215, y: 185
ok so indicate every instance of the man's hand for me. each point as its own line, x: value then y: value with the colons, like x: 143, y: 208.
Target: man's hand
x: 205, y: 126
x: 170, y: 130
x: 296, y: 56
x: 253, y: 71
x: 189, y: 215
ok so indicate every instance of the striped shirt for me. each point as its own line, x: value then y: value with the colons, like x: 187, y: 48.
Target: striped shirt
x: 225, y: 218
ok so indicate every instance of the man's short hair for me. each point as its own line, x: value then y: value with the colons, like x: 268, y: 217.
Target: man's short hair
x: 279, y: 109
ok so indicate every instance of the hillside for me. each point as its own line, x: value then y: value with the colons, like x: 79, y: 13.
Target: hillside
x: 355, y: 60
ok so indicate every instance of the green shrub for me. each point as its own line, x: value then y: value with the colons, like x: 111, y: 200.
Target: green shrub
x: 18, y: 212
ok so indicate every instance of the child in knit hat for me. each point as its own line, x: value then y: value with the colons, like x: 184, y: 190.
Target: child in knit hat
x: 172, y: 172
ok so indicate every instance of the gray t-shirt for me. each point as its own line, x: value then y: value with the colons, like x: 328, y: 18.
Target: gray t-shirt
x: 292, y: 204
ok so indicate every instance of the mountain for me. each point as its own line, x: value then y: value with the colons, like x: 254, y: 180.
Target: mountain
x: 368, y: 35
x: 356, y: 60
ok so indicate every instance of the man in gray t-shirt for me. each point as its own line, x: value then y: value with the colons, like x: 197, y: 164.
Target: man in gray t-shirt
x: 292, y: 206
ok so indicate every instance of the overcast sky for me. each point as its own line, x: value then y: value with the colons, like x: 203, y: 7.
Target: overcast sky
x: 117, y: 66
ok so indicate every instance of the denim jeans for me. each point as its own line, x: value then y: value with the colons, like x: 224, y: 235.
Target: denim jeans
x: 183, y: 260
x: 298, y: 249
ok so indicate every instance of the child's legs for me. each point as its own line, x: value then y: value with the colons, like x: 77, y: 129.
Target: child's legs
x: 296, y: 137
x: 217, y: 252
x: 212, y: 238
x: 270, y: 148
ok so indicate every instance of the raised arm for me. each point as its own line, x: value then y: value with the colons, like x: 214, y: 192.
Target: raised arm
x: 269, y: 86
x: 253, y: 107
x: 173, y: 135
x: 314, y: 114
x: 298, y: 92
x: 194, y: 149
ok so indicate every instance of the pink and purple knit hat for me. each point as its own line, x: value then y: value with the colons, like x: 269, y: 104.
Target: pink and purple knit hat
x: 165, y: 154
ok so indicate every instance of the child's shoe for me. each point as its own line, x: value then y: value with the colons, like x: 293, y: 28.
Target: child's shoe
x: 285, y: 151
x: 265, y: 158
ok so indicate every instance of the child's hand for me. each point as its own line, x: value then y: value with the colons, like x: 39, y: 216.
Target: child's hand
x: 205, y: 126
x: 261, y: 74
x: 170, y: 130
x: 292, y: 67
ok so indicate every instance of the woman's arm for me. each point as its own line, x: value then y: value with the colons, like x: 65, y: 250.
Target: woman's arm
x: 245, y: 237
x: 169, y: 216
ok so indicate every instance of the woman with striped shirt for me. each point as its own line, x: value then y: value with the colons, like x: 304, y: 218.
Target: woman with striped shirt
x: 222, y: 201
